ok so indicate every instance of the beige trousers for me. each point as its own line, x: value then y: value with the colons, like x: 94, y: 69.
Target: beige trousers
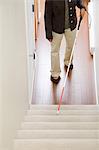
x: 55, y: 48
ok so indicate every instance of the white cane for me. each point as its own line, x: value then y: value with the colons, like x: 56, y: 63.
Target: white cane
x: 62, y: 92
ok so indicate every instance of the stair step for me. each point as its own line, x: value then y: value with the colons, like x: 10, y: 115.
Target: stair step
x: 59, y: 125
x: 56, y: 144
x: 64, y: 107
x: 75, y: 128
x: 63, y: 112
x: 62, y: 118
x: 56, y: 134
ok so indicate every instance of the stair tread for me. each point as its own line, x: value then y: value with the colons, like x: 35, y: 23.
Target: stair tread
x: 67, y: 107
x: 63, y: 118
x: 58, y: 140
x: 58, y: 133
x: 60, y: 125
x: 57, y: 144
x: 63, y: 112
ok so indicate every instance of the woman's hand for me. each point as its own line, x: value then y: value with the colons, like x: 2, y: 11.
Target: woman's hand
x: 82, y: 12
x: 50, y: 40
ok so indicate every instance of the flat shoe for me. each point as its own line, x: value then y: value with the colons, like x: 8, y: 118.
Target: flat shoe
x: 71, y: 67
x: 54, y: 80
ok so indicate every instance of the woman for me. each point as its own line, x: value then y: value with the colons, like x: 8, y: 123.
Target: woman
x: 60, y: 18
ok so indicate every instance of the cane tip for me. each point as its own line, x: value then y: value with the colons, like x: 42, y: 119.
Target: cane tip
x: 58, y: 112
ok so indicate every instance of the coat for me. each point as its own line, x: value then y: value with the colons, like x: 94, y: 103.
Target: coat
x: 55, y: 16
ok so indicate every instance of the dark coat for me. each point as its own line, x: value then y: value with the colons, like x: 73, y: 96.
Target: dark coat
x: 55, y: 15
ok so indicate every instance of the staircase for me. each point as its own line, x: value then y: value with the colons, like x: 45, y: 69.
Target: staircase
x: 75, y: 128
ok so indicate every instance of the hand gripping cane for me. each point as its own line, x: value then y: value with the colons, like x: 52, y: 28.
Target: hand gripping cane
x: 62, y: 92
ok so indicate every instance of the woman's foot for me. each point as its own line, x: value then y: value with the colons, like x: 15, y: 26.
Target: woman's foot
x: 54, y: 79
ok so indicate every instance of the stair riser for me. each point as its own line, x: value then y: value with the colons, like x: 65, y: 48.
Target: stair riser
x: 56, y: 118
x: 64, y: 107
x: 60, y: 126
x: 57, y: 145
x: 33, y: 134
x: 63, y: 112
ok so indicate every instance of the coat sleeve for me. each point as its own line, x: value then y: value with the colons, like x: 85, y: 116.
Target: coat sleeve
x: 48, y: 19
x: 80, y: 4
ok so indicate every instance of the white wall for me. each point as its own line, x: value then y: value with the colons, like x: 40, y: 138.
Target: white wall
x: 30, y: 44
x: 39, y: 10
x: 13, y: 69
x: 91, y: 27
x: 96, y: 33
